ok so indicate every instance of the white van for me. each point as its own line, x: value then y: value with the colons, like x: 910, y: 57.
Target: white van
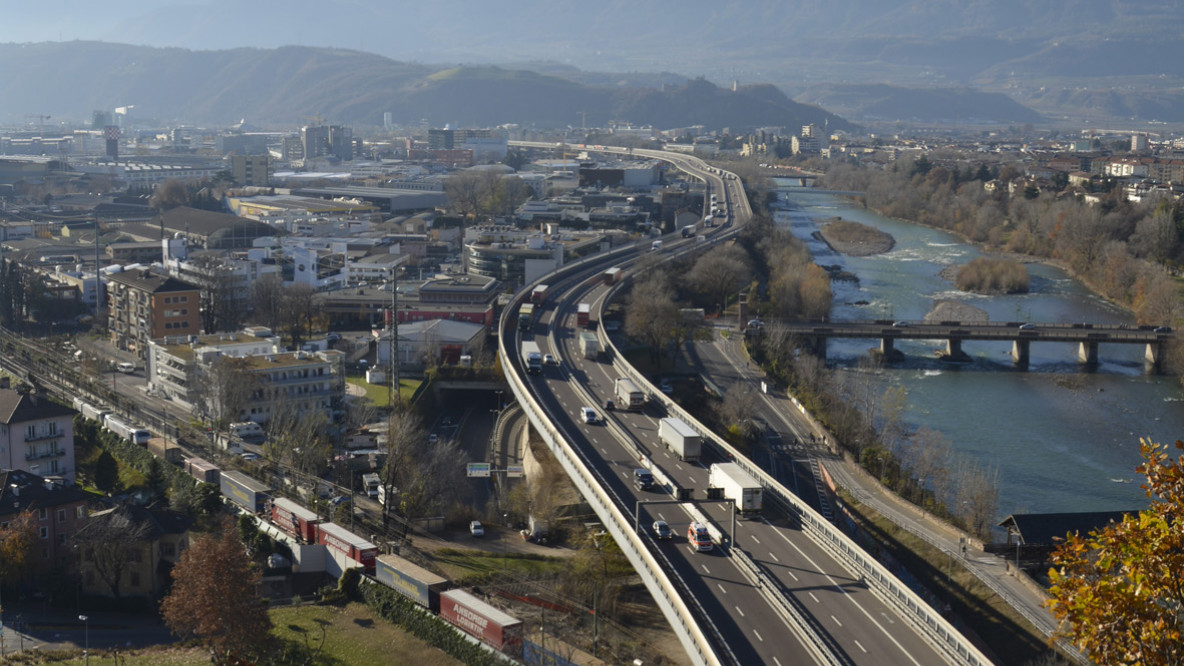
x: 126, y: 368
x: 246, y: 430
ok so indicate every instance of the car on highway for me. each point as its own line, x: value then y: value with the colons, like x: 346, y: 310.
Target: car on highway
x: 1027, y: 327
x: 1163, y: 329
x: 476, y: 528
x: 666, y: 386
x: 126, y: 368
x: 588, y: 415
x: 548, y: 359
x: 662, y: 530
x: 900, y: 324
x: 609, y: 405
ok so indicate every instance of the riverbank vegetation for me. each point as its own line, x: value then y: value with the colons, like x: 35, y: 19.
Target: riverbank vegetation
x: 855, y: 239
x: 1127, y: 251
x: 985, y: 275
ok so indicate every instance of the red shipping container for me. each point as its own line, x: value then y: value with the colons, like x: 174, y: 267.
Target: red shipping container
x: 477, y: 618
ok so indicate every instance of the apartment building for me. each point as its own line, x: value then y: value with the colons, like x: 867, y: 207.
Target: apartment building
x: 144, y: 305
x: 36, y: 435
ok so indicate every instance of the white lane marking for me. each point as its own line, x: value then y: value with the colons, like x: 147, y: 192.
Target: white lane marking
x: 887, y: 617
x: 793, y: 576
x: 662, y: 517
x: 721, y: 588
x: 605, y: 453
x: 774, y: 557
x: 852, y: 599
x: 813, y: 597
x: 677, y: 465
x: 758, y: 635
x: 705, y: 569
x: 739, y: 611
x: 776, y: 661
x: 836, y: 620
x: 860, y: 646
x: 754, y: 539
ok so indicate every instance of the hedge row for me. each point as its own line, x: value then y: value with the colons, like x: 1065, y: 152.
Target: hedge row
x: 397, y: 609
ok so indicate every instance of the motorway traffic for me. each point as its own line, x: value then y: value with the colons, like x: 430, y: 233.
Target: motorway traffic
x: 802, y: 604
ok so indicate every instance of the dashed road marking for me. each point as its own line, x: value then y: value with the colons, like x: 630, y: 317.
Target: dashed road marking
x: 739, y: 611
x: 860, y: 646
x: 758, y: 635
x: 813, y: 597
x: 836, y: 620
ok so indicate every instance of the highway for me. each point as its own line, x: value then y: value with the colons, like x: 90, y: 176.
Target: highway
x: 749, y: 608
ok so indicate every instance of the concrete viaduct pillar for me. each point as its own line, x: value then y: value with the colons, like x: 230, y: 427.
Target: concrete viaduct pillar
x: 1154, y: 356
x: 818, y: 346
x: 1019, y: 352
x: 1087, y: 353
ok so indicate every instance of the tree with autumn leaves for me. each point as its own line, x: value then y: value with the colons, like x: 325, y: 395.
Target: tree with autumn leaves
x: 215, y: 599
x: 1119, y: 592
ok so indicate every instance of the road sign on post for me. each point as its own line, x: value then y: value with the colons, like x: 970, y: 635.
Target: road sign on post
x: 515, y: 471
x: 478, y: 469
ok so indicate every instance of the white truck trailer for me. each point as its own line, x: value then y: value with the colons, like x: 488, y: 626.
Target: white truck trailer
x: 532, y: 357
x: 589, y: 345
x: 628, y: 395
x: 737, y: 485
x: 680, y: 439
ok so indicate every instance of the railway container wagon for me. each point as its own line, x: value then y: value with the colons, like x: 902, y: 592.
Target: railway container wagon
x: 348, y: 545
x: 244, y: 491
x: 294, y: 519
x: 202, y: 470
x: 412, y: 581
x: 482, y: 621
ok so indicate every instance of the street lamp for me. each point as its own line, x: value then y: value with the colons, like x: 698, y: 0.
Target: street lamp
x: 86, y: 652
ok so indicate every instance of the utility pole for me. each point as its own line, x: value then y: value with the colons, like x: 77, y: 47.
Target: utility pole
x: 393, y: 331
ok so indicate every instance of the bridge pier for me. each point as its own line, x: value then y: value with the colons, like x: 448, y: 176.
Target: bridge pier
x: 954, y: 351
x: 818, y: 346
x: 1154, y: 357
x: 888, y: 352
x: 1087, y: 353
x: 1019, y: 352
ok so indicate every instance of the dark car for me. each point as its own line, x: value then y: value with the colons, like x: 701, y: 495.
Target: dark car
x: 609, y: 406
x: 662, y: 530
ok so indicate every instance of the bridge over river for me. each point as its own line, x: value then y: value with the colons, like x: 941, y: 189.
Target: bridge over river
x: 1087, y: 336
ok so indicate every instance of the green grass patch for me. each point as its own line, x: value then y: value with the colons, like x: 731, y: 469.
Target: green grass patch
x: 475, y: 565
x: 974, y: 606
x: 379, y: 394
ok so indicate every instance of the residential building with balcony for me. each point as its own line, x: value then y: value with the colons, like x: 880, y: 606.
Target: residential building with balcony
x: 144, y: 306
x: 36, y: 435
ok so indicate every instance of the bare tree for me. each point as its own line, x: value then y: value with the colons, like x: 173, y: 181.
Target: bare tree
x: 464, y: 190
x: 740, y: 407
x: 268, y: 301
x: 169, y: 194
x: 223, y: 388
x: 976, y: 496
x: 652, y: 316
x: 297, y: 437
x: 300, y: 312
x: 720, y: 273
x: 112, y: 542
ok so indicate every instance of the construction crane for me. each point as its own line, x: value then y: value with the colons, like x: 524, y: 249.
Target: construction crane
x: 40, y: 120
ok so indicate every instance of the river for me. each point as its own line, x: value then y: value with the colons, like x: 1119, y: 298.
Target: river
x: 1062, y: 440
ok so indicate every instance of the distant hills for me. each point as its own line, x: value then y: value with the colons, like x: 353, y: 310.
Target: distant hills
x: 293, y: 85
x: 1030, y: 50
x: 879, y: 102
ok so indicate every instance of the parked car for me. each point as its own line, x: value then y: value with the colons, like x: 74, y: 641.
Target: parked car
x: 476, y: 528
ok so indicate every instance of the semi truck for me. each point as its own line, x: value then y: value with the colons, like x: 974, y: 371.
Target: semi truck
x: 526, y: 317
x: 628, y: 395
x: 589, y: 345
x: 160, y: 448
x: 482, y: 621
x: 132, y: 433
x: 244, y: 491
x: 680, y: 439
x: 411, y: 580
x: 532, y: 358
x: 583, y: 314
x: 737, y: 485
x: 538, y: 295
x: 295, y: 519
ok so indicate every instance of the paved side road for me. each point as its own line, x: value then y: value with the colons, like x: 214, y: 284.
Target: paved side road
x: 34, y: 627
